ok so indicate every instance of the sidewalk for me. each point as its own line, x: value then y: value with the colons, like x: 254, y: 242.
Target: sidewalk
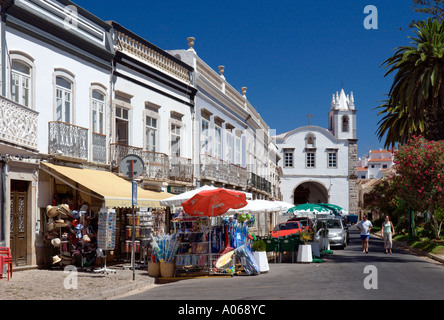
x: 405, y: 246
x: 39, y: 284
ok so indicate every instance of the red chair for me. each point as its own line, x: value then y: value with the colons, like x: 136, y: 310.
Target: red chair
x: 5, y: 258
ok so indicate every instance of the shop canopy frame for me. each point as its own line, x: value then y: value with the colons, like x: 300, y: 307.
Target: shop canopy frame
x: 115, y: 191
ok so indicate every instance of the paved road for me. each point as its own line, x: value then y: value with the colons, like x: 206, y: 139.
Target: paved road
x: 341, y: 276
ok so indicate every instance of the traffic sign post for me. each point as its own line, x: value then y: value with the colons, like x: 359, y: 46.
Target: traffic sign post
x: 132, y: 166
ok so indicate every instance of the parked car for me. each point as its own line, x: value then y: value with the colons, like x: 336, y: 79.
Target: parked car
x: 304, y: 221
x: 337, y: 231
x: 286, y: 228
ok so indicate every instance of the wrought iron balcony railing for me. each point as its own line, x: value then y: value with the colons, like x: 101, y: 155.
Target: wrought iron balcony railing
x: 98, y: 147
x: 68, y: 140
x: 158, y: 166
x: 218, y: 170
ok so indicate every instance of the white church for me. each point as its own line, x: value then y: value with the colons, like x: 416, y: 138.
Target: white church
x: 320, y: 165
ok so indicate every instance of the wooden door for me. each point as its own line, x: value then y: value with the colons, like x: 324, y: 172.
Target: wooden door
x: 18, y: 223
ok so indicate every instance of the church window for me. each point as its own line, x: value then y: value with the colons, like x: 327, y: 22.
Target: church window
x: 332, y: 160
x: 310, y: 160
x: 345, y: 124
x: 288, y: 158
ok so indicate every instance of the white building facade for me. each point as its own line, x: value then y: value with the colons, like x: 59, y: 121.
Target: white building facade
x: 56, y: 61
x: 375, y: 164
x: 320, y: 165
x: 231, y: 140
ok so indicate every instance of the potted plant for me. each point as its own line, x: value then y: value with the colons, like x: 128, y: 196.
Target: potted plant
x: 304, y: 251
x: 260, y: 255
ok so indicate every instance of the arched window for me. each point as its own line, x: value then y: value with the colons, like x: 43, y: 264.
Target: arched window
x: 21, y: 83
x: 98, y: 111
x: 63, y: 99
x: 64, y: 95
x: 345, y: 124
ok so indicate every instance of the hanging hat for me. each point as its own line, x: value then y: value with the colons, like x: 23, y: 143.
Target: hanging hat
x: 50, y: 225
x: 56, y: 242
x: 60, y: 223
x: 75, y: 214
x: 65, y: 211
x: 86, y: 238
x: 56, y: 259
x: 67, y: 260
x: 84, y: 207
x: 51, y: 211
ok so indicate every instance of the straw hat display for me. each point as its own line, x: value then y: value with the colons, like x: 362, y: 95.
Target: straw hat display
x: 65, y: 211
x: 56, y: 242
x: 60, y: 223
x: 56, y: 259
x: 50, y: 225
x: 51, y: 211
x: 67, y: 260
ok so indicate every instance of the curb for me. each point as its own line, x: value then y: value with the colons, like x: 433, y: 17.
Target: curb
x: 416, y: 251
x: 120, y: 291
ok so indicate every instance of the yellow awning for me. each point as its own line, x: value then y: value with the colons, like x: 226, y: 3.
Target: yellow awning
x: 116, y: 191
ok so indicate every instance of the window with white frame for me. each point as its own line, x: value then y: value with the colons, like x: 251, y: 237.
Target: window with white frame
x: 122, y: 125
x: 218, y: 141
x: 64, y: 93
x: 21, y: 83
x: 332, y: 159
x: 288, y: 158
x: 150, y: 133
x: 310, y: 160
x: 205, y: 136
x: 237, y: 151
x: 229, y: 146
x: 175, y: 140
x: 98, y: 111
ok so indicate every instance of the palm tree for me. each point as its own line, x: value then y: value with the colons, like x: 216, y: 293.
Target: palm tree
x: 396, y: 125
x: 416, y: 96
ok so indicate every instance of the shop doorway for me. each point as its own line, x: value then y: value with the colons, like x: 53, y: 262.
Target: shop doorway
x: 18, y: 221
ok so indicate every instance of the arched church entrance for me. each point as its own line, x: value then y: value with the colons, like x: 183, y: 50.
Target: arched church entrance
x: 310, y: 192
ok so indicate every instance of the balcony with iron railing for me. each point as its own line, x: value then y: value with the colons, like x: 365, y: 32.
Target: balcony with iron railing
x: 67, y: 140
x: 18, y: 127
x: 259, y: 183
x: 158, y: 166
x: 218, y: 170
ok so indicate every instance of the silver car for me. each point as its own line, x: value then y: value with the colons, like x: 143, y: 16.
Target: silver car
x: 337, y: 233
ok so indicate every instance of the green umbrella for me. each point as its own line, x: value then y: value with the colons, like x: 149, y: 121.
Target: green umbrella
x: 309, y: 208
x: 336, y: 209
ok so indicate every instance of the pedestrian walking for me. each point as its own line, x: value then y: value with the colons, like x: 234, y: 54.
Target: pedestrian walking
x: 365, y: 226
x: 387, y: 232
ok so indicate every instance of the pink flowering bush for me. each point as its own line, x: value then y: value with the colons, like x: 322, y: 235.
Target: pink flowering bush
x: 419, y: 177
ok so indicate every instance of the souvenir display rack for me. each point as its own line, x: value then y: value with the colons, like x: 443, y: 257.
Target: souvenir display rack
x: 193, y: 254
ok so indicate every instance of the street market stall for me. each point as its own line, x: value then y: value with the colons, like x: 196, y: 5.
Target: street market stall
x: 203, y: 242
x: 85, y: 202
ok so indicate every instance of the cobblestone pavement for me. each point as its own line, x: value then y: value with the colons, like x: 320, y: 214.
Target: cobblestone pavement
x: 38, y: 284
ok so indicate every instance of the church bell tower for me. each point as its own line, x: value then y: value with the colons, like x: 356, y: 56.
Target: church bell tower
x: 342, y: 116
x: 342, y: 124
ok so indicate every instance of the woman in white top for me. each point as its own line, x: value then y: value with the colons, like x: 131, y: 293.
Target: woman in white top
x: 387, y: 232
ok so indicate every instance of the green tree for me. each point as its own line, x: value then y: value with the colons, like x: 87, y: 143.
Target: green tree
x: 419, y: 178
x: 433, y: 8
x: 416, y: 97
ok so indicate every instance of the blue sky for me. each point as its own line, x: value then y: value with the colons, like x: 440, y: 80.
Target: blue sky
x: 292, y: 55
